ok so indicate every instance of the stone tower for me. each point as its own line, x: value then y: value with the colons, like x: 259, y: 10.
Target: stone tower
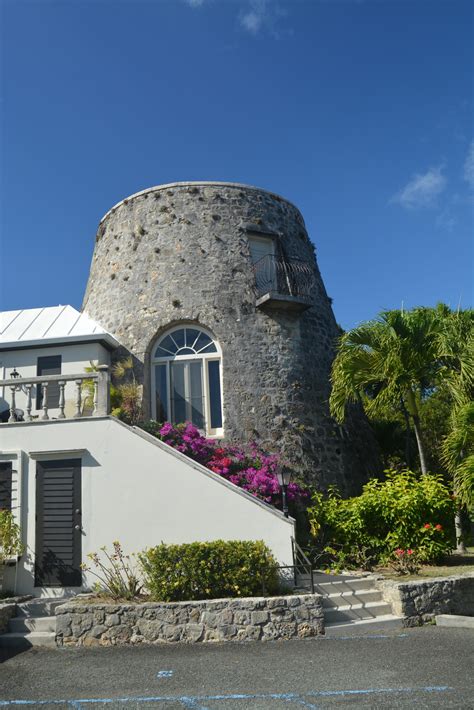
x: 235, y: 261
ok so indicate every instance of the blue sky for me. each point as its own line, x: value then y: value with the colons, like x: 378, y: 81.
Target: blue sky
x: 359, y: 111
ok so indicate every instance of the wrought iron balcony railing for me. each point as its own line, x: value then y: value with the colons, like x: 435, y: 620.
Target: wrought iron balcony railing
x: 281, y: 277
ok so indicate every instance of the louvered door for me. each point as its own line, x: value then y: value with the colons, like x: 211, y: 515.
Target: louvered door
x: 58, y: 524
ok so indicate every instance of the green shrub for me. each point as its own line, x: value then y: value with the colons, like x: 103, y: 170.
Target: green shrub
x: 405, y: 511
x: 209, y: 570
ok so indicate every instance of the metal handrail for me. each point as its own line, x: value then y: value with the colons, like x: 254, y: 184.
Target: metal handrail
x: 301, y: 562
x: 285, y: 276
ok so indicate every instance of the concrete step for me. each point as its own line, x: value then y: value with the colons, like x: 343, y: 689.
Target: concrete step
x: 356, y: 612
x: 365, y: 596
x: 350, y: 585
x: 455, y: 620
x: 25, y: 624
x: 381, y: 624
x: 39, y: 607
x: 25, y: 641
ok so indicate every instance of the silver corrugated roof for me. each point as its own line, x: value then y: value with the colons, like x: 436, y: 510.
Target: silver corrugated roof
x: 55, y: 324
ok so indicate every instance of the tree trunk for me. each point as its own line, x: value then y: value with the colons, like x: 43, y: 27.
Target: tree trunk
x: 407, y: 433
x: 412, y: 408
x: 419, y: 441
x: 460, y: 546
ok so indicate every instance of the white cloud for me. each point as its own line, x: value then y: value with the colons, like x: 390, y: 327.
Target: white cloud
x: 469, y: 166
x: 422, y: 190
x: 256, y: 17
x: 264, y: 15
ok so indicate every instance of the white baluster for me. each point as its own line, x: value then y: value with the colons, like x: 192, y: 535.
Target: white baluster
x: 96, y: 398
x: 12, y: 417
x: 78, y: 399
x: 62, y: 401
x: 44, y: 389
x: 28, y: 402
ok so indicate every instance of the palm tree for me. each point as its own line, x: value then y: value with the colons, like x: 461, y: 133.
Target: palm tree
x: 388, y: 364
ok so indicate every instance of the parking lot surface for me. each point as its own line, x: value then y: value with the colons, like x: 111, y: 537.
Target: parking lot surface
x: 426, y: 667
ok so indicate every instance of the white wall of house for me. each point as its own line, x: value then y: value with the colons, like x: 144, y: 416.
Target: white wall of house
x: 137, y: 490
x: 75, y: 357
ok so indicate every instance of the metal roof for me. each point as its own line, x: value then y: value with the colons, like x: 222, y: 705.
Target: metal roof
x: 54, y: 324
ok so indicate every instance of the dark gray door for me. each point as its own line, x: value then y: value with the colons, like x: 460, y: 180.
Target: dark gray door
x: 6, y: 485
x: 48, y: 365
x: 58, y: 524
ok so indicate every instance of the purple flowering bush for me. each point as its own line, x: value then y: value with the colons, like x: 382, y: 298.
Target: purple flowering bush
x: 249, y: 467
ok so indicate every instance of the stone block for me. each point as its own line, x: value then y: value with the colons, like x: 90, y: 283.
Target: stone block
x: 193, y: 632
x: 97, y: 631
x: 259, y: 617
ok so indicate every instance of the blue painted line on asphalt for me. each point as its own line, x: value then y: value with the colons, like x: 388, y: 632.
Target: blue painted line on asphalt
x: 195, y: 701
x: 164, y: 674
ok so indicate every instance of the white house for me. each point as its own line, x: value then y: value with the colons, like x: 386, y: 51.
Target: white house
x: 77, y: 478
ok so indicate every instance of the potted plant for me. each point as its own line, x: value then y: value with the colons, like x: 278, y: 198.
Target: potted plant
x: 10, y: 543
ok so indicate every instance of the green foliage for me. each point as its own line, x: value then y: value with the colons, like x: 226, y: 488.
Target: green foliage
x: 10, y: 543
x: 209, y: 570
x: 404, y: 511
x: 125, y: 395
x: 458, y: 453
x: 116, y: 574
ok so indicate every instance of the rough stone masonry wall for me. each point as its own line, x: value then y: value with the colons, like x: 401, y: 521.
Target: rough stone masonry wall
x: 421, y: 601
x: 256, y: 619
x: 180, y: 254
x: 7, y: 611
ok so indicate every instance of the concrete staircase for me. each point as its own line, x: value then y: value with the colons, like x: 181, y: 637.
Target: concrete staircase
x: 34, y: 625
x: 351, y: 603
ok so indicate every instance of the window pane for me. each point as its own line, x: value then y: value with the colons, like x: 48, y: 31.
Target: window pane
x: 178, y: 337
x: 211, y: 348
x: 196, y: 396
x: 185, y: 351
x: 178, y: 401
x: 215, y: 403
x: 161, y: 395
x: 161, y: 352
x: 191, y: 336
x: 166, y: 344
x: 203, y: 340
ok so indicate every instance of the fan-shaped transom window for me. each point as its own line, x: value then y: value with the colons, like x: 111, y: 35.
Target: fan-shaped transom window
x: 186, y: 379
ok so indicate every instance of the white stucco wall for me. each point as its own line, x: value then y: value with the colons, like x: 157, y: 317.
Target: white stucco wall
x: 137, y: 490
x: 75, y: 359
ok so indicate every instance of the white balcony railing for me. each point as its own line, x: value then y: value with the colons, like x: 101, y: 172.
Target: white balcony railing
x: 29, y: 387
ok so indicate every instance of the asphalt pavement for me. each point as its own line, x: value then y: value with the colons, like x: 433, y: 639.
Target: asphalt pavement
x: 428, y: 667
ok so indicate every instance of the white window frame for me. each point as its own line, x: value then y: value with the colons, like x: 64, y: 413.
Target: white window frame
x: 205, y: 358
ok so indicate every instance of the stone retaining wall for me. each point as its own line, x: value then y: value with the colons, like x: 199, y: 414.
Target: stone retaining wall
x: 6, y: 613
x: 255, y: 619
x: 420, y: 601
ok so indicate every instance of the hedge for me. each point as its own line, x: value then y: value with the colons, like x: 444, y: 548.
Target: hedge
x: 209, y: 570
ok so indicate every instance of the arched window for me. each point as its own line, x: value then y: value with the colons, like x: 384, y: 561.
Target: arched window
x: 186, y: 379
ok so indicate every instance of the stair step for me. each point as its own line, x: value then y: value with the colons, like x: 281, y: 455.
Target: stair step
x: 34, y: 638
x: 365, y: 596
x: 356, y: 611
x: 352, y: 585
x: 40, y: 607
x: 25, y: 624
x: 386, y: 622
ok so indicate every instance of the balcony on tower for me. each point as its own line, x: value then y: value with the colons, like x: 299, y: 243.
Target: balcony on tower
x: 283, y: 283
